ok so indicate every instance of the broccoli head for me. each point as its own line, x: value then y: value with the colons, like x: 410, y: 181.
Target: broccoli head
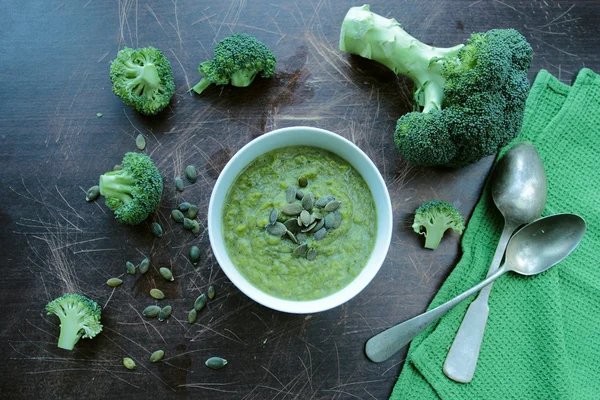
x: 143, y: 79
x: 433, y: 218
x: 79, y: 318
x: 134, y: 191
x: 469, y: 98
x: 238, y: 60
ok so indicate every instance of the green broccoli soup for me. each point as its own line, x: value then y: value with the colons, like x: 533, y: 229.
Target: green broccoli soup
x: 299, y: 223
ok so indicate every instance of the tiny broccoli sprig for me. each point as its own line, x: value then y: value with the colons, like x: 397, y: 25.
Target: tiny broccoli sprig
x: 433, y: 218
x: 238, y: 59
x: 143, y: 78
x: 79, y: 318
x: 134, y: 191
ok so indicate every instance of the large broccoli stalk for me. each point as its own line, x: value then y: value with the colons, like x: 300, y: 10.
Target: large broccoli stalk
x: 79, y: 318
x: 470, y: 97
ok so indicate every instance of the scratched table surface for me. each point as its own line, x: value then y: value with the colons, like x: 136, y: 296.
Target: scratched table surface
x: 54, y: 73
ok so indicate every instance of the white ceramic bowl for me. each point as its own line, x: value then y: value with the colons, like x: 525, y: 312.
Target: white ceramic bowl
x: 302, y: 136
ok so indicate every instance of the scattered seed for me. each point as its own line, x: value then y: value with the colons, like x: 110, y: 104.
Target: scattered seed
x: 309, y: 227
x: 301, y: 237
x: 312, y: 254
x: 338, y: 219
x: 200, y: 302
x: 300, y: 251
x: 140, y: 142
x: 157, y: 230
x: 290, y: 194
x: 305, y: 218
x: 192, y: 212
x: 165, y: 313
x: 194, y: 255
x: 114, y: 282
x: 332, y: 205
x: 99, y: 115
x: 292, y: 225
x: 130, y: 268
x: 179, y: 184
x: 128, y: 363
x: 196, y: 228
x: 192, y: 316
x: 166, y: 274
x: 292, y: 209
x: 317, y: 215
x: 308, y: 201
x: 157, y: 294
x: 273, y: 216
x: 302, y: 181
x: 144, y: 266
x: 151, y: 311
x: 157, y: 356
x: 216, y: 362
x: 177, y: 216
x: 320, y: 234
x: 318, y: 226
x: 183, y: 207
x: 117, y: 167
x: 299, y: 194
x: 92, y: 193
x: 329, y: 220
x: 191, y: 174
x: 188, y: 223
x: 291, y: 236
x: 276, y: 229
x: 322, y: 202
x: 211, y: 292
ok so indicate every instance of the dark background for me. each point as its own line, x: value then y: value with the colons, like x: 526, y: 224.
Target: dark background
x: 54, y: 80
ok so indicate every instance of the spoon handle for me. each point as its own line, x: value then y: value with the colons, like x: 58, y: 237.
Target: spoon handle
x: 385, y: 344
x: 461, y: 360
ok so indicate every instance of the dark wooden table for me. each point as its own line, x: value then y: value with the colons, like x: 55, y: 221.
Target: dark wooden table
x: 54, y: 80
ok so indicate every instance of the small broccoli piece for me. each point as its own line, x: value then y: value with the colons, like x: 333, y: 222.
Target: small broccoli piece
x: 79, y: 318
x: 469, y: 98
x: 238, y: 59
x: 134, y: 191
x: 436, y: 216
x: 143, y: 79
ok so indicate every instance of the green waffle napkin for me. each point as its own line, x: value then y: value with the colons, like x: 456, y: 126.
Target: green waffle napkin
x: 542, y: 339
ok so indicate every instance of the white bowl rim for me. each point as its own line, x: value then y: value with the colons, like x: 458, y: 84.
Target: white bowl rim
x: 378, y: 254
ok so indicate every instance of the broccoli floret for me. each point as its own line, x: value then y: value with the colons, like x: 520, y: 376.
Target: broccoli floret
x: 79, y: 318
x: 469, y: 98
x: 143, y: 79
x: 134, y: 191
x: 238, y: 60
x: 433, y: 218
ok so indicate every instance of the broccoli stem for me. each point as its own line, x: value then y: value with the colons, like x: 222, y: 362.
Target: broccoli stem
x: 383, y: 40
x: 242, y: 77
x: 434, y: 233
x: 200, y: 86
x: 70, y: 333
x: 117, y: 184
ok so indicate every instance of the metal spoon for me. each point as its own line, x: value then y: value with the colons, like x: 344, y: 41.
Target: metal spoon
x: 519, y: 190
x: 533, y: 249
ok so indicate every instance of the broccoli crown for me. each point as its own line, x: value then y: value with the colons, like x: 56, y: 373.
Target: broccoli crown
x: 435, y: 217
x: 134, y: 191
x: 238, y: 59
x: 143, y: 79
x: 79, y: 318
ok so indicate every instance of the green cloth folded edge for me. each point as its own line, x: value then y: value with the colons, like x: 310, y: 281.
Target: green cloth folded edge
x: 542, y: 339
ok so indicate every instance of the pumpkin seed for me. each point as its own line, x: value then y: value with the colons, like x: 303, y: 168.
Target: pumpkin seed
x: 302, y: 181
x: 157, y: 230
x: 317, y: 215
x: 157, y: 294
x: 128, y: 363
x: 140, y: 142
x: 130, y: 268
x: 300, y: 251
x: 165, y: 313
x: 157, y: 356
x: 290, y: 194
x: 312, y: 254
x: 276, y: 229
x: 291, y: 236
x: 194, y: 255
x: 200, y: 302
x: 305, y: 218
x: 320, y: 234
x: 92, y: 193
x: 144, y: 266
x: 183, y: 207
x: 99, y: 115
x: 192, y: 212
x: 292, y: 209
x: 338, y: 219
x: 196, y: 228
x: 166, y: 274
x: 114, y: 282
x: 322, y: 202
x: 299, y: 194
x: 177, y: 216
x: 273, y: 216
x: 179, y: 184
x: 329, y: 220
x: 188, y: 223
x: 309, y: 227
x: 211, y: 292
x: 151, y: 311
x: 192, y: 316
x: 216, y: 362
x: 301, y: 237
x: 191, y: 174
x: 318, y: 226
x: 308, y: 201
x: 332, y: 205
x: 292, y: 225
x: 117, y: 167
